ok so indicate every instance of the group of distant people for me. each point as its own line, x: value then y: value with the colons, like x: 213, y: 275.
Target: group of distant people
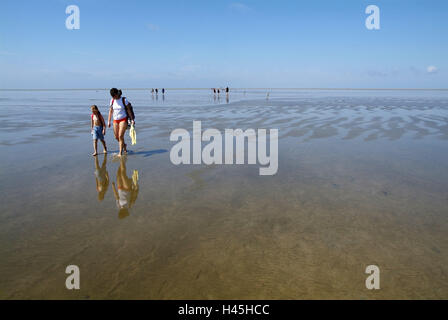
x: 218, y: 91
x: 156, y: 91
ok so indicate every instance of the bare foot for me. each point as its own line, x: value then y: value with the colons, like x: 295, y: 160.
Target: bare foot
x: 125, y: 149
x: 94, y: 154
x: 105, y: 151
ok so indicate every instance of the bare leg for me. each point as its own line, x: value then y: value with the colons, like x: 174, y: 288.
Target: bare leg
x: 95, y: 147
x: 116, y: 126
x: 121, y: 131
x: 116, y: 133
x: 121, y: 144
x: 104, y: 145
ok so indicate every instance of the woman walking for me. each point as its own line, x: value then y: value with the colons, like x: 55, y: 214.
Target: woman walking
x: 118, y: 108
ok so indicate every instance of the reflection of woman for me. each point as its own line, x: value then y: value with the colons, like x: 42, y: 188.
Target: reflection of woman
x: 101, y: 177
x: 126, y: 190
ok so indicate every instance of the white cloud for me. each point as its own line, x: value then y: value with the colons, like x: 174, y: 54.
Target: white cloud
x: 432, y: 69
x: 239, y: 7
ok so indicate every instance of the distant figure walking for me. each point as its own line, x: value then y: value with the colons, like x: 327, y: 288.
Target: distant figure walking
x: 163, y: 91
x: 157, y: 91
x: 227, y: 90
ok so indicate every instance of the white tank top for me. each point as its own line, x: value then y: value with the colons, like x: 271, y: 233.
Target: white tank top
x: 119, y: 108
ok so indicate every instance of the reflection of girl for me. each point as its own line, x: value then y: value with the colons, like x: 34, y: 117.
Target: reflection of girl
x: 126, y: 190
x: 102, y: 178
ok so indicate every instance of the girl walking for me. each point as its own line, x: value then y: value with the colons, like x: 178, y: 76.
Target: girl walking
x: 98, y: 129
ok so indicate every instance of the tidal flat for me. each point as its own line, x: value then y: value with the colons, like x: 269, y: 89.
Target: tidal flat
x: 362, y: 180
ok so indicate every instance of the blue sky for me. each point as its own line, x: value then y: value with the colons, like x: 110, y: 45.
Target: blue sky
x: 217, y: 43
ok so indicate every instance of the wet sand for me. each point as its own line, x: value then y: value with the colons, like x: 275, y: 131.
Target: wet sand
x: 362, y: 179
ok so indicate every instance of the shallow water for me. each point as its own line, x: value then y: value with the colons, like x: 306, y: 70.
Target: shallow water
x: 362, y: 180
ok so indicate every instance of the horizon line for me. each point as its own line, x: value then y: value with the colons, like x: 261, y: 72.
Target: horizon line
x: 242, y: 88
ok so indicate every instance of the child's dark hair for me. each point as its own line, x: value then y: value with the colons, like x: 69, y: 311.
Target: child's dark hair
x: 114, y: 92
x: 95, y: 108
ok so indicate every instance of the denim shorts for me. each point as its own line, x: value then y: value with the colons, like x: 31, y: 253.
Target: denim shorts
x: 97, y: 133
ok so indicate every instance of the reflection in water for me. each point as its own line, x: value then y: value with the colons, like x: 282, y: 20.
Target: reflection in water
x: 101, y: 177
x: 126, y: 189
x: 359, y: 173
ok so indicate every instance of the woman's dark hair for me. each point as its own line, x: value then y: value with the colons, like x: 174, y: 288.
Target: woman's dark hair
x: 114, y: 92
